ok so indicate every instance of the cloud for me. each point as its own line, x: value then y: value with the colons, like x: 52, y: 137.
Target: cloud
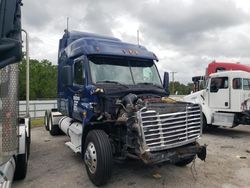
x: 185, y: 34
x: 35, y: 15
x: 97, y: 19
x: 179, y: 23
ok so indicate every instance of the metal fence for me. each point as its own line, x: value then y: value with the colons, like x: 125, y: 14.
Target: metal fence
x: 37, y: 107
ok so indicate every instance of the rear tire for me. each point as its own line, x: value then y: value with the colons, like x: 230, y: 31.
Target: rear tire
x: 46, y: 120
x: 54, y: 130
x: 21, y: 164
x: 29, y: 138
x: 184, y: 162
x: 98, y: 157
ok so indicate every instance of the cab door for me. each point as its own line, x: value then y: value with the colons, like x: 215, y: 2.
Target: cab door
x: 245, y: 95
x: 219, y: 93
x: 79, y: 80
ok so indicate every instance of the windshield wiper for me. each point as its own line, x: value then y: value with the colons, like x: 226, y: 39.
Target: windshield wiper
x: 112, y: 82
x: 149, y: 83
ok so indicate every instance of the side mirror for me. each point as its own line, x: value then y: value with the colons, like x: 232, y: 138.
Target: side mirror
x: 11, y: 52
x: 67, y: 79
x: 10, y: 32
x: 166, y: 82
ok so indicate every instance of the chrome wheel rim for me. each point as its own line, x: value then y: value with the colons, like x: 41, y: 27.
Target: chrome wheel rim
x: 90, y: 157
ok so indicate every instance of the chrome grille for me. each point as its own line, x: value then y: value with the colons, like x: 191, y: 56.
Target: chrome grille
x: 163, y: 131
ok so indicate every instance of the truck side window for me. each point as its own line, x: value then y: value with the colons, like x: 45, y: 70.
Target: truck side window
x: 218, y: 83
x: 237, y: 83
x: 246, y: 84
x: 79, y: 73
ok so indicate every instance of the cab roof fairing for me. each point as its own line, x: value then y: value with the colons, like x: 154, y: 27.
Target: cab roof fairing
x: 96, y: 46
x: 74, y: 35
x: 76, y: 43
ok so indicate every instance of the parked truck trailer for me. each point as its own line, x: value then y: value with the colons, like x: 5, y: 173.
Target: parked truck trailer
x: 14, y: 130
x: 112, y: 104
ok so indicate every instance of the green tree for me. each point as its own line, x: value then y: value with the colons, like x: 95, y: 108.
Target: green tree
x: 181, y: 89
x: 43, y: 79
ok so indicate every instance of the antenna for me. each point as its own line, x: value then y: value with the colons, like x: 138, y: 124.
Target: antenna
x: 138, y: 37
x: 67, y: 23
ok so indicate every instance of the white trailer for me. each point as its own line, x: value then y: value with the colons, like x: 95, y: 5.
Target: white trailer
x: 226, y: 99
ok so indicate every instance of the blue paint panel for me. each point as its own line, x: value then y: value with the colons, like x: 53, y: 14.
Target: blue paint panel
x: 79, y: 43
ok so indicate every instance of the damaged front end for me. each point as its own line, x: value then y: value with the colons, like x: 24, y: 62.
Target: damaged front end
x: 162, y: 130
x: 175, y: 155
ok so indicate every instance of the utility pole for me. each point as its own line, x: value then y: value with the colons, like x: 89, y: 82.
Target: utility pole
x: 138, y: 37
x: 67, y: 23
x: 173, y: 73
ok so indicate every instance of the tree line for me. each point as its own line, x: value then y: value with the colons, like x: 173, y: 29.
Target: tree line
x: 43, y: 81
x: 180, y: 89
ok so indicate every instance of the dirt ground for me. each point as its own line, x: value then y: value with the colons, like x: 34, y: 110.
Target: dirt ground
x: 52, y: 165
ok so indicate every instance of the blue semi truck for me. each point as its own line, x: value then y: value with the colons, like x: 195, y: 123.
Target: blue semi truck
x: 113, y: 105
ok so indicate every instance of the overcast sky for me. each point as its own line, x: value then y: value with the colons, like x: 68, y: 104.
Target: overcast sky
x: 185, y: 34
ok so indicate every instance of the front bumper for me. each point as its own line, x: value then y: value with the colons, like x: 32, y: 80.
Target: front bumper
x: 175, y: 155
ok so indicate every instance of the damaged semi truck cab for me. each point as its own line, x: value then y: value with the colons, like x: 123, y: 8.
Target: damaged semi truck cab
x: 112, y: 104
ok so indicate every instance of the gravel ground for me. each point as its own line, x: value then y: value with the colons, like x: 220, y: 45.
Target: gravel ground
x: 53, y: 165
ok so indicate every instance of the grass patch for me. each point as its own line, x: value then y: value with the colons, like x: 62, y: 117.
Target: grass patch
x: 37, y: 122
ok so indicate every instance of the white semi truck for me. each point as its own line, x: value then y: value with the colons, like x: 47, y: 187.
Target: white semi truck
x: 226, y: 99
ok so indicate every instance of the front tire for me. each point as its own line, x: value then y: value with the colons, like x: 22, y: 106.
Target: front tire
x: 98, y: 157
x: 204, y: 123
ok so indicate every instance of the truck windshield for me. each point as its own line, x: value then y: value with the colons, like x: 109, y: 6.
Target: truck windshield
x: 124, y: 71
x: 246, y: 84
